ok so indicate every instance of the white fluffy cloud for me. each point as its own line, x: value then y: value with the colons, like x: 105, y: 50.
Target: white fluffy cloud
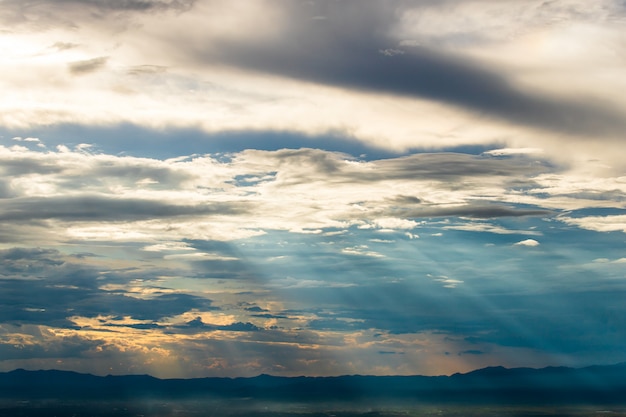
x: 528, y: 242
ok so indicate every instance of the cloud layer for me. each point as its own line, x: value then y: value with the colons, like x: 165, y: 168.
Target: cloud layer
x: 194, y: 188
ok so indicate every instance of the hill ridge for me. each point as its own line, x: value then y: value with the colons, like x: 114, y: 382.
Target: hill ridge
x: 592, y: 384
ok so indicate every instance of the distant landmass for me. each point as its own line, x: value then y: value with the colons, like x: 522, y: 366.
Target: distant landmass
x: 551, y: 385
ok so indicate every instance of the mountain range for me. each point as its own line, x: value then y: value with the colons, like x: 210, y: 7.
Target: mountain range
x: 551, y: 385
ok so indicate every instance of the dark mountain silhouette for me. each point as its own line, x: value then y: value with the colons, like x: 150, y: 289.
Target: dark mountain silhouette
x: 552, y: 385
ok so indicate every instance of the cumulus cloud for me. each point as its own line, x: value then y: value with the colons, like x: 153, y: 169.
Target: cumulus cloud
x: 527, y: 242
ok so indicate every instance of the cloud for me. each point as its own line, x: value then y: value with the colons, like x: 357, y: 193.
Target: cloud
x: 447, y: 79
x: 391, y: 52
x: 362, y: 250
x: 55, y: 13
x: 198, y: 325
x: 614, y: 223
x: 47, y: 345
x: 43, y: 286
x: 350, y: 59
x: 87, y: 66
x: 527, y: 242
x: 446, y: 281
x: 335, y: 305
x: 513, y: 151
x: 199, y: 256
x: 19, y: 139
x: 146, y: 69
x: 475, y: 211
x: 61, y: 46
x: 97, y: 208
x: 206, y: 195
x: 28, y: 262
x: 490, y: 228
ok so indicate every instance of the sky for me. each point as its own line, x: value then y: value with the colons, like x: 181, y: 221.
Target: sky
x: 197, y: 188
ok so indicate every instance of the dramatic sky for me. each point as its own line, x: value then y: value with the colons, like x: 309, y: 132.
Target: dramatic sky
x: 228, y: 188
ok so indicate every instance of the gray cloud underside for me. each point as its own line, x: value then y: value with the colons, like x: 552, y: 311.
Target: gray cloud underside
x: 283, y: 168
x: 344, y: 50
x: 453, y: 166
x: 87, y: 66
x: 469, y: 210
x: 103, y: 208
x: 57, y: 12
x: 445, y: 167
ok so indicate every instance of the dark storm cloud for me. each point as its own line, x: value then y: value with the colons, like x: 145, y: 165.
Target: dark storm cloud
x: 40, y: 286
x: 344, y: 50
x: 49, y: 303
x: 102, y: 208
x: 28, y: 261
x: 142, y: 309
